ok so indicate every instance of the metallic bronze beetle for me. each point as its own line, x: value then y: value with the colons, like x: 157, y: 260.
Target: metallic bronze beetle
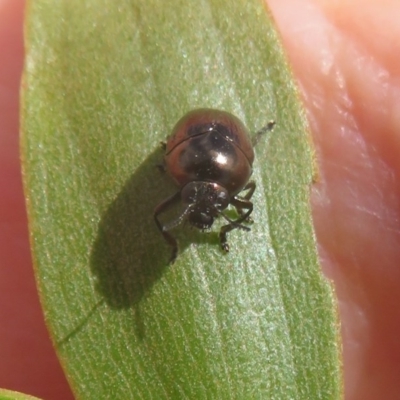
x: 209, y: 155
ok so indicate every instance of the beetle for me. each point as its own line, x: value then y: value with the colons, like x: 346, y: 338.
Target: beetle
x: 209, y: 155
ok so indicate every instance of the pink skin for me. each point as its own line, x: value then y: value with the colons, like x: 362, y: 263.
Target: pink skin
x: 27, y: 359
x: 345, y: 56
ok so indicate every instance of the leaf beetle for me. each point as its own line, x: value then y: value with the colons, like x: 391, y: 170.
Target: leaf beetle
x: 209, y: 155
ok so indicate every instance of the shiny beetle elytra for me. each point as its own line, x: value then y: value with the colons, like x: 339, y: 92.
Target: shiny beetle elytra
x: 209, y: 155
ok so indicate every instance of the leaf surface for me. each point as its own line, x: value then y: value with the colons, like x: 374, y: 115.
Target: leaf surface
x: 12, y: 395
x: 104, y: 83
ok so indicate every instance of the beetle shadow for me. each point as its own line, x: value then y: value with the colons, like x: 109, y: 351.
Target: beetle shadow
x: 129, y: 254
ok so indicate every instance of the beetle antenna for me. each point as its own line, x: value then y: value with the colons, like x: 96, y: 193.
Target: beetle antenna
x: 178, y: 220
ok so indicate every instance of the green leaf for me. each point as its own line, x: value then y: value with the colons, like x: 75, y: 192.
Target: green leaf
x: 105, y: 82
x: 11, y: 395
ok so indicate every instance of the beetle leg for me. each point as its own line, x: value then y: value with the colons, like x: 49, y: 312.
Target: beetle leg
x: 256, y: 138
x: 236, y: 225
x: 251, y: 187
x: 237, y: 203
x: 162, y: 207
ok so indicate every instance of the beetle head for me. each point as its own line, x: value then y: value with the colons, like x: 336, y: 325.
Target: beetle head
x: 203, y: 202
